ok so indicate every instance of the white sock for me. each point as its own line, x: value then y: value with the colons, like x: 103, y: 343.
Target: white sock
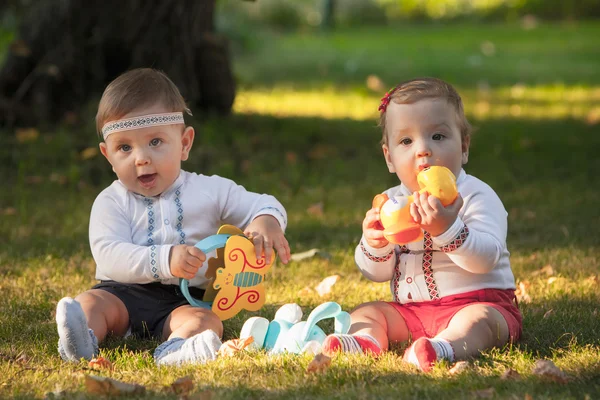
x: 75, y: 339
x: 443, y: 349
x: 198, y: 349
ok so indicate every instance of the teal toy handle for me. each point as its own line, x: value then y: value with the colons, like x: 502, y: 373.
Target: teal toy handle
x: 330, y: 309
x: 206, y: 245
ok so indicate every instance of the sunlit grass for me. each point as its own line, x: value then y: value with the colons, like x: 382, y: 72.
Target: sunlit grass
x: 538, y: 102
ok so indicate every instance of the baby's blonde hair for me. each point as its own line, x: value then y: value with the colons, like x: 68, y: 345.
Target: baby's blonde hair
x: 137, y: 89
x: 412, y: 91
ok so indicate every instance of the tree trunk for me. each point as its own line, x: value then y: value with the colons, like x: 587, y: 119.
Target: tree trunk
x: 67, y: 51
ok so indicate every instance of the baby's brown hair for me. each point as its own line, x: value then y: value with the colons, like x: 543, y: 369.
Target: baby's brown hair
x: 411, y: 91
x: 136, y: 89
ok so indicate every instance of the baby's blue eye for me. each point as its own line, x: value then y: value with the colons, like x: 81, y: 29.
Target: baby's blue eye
x: 155, y: 142
x: 406, y: 141
x: 125, y: 147
x: 438, y: 136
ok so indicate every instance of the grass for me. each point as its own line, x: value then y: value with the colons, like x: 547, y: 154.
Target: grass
x: 304, y: 131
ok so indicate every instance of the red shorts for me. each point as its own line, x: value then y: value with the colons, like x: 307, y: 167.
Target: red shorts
x: 429, y: 318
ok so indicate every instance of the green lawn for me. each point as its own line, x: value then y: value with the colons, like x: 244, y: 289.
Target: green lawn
x: 304, y: 130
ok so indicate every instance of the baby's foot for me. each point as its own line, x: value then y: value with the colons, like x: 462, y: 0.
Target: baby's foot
x: 425, y: 352
x: 197, y: 349
x: 350, y: 344
x: 75, y: 339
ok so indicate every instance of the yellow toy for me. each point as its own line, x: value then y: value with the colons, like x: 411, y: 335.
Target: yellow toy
x: 399, y: 226
x: 238, y: 274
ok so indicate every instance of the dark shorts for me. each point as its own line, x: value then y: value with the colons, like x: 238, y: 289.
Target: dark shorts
x: 148, y: 305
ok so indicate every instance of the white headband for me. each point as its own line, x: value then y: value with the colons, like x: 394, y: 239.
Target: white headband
x: 143, y: 121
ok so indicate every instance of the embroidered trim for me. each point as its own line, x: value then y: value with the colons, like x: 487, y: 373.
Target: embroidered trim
x: 150, y: 240
x: 397, y: 273
x: 376, y: 258
x: 458, y: 241
x: 432, y: 288
x: 179, y: 217
x: 277, y: 210
x: 142, y: 121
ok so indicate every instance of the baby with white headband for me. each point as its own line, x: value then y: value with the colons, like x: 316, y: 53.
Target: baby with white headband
x: 143, y: 228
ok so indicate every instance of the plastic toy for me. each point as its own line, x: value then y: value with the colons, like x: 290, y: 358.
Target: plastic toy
x: 238, y: 275
x: 288, y: 333
x: 399, y: 226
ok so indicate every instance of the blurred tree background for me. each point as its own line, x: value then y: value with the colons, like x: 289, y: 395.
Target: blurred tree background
x: 62, y: 52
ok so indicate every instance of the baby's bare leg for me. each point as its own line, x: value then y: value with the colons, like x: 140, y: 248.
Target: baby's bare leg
x: 105, y: 313
x: 187, y: 321
x: 381, y: 321
x: 193, y: 337
x: 475, y: 328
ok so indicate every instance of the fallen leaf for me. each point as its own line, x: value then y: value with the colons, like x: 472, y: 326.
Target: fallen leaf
x: 548, y: 370
x: 548, y: 313
x: 528, y: 396
x: 291, y: 157
x: 319, y: 364
x: 316, y: 209
x: 510, y: 374
x: 9, y: 211
x: 183, y: 385
x: 305, y: 291
x: 521, y: 292
x: 88, y: 153
x: 375, y: 83
x: 592, y: 280
x: 324, y: 287
x: 107, y: 386
x: 25, y: 135
x: 100, y: 363
x: 485, y: 393
x: 545, y: 270
x: 233, y: 346
x: 58, y: 178
x: 309, y: 254
x: 459, y: 367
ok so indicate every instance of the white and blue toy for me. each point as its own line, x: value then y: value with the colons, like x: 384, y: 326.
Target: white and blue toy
x: 287, y: 332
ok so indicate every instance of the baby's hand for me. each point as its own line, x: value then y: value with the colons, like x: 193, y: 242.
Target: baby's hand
x: 373, y: 230
x: 433, y: 217
x: 185, y: 261
x: 266, y: 234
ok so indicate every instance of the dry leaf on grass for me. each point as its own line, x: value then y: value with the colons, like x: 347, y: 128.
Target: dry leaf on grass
x: 316, y: 209
x: 548, y: 313
x: 510, y: 374
x: 100, y: 363
x: 319, y: 364
x: 183, y: 385
x: 234, y: 346
x: 592, y: 280
x: 545, y: 270
x: 306, y: 291
x: 459, y: 367
x: 324, y: 287
x: 521, y: 292
x: 107, y: 386
x: 548, y: 370
x: 309, y: 254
